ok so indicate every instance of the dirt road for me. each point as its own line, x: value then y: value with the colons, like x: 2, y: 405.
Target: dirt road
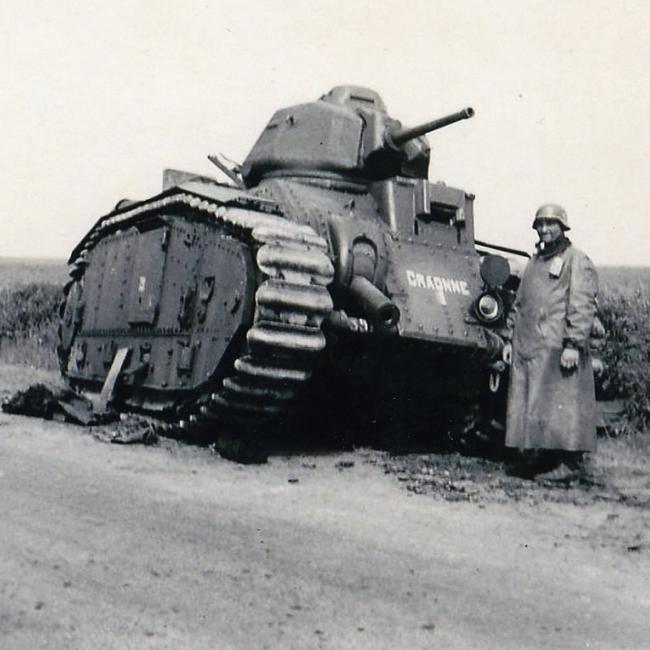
x: 108, y: 546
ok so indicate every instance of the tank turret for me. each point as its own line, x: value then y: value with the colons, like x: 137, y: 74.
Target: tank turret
x: 346, y: 134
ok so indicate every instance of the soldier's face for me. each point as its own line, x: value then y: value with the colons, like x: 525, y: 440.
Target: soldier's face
x: 548, y: 230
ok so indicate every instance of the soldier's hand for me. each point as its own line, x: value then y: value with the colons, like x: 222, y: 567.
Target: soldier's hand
x: 506, y: 353
x: 569, y: 358
x: 597, y: 366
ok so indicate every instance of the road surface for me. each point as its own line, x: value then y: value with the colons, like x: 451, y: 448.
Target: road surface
x: 109, y: 546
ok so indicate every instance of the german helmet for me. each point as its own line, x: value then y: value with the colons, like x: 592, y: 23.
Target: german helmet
x: 552, y: 211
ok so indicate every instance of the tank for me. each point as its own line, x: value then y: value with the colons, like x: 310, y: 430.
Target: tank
x: 328, y: 265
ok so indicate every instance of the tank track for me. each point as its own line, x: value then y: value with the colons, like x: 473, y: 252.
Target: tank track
x: 290, y: 303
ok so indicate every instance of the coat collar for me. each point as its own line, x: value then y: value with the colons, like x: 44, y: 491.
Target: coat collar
x: 556, y: 247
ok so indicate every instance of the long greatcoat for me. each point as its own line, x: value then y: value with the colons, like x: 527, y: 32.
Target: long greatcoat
x: 549, y: 407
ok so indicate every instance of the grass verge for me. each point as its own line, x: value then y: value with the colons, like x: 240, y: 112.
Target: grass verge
x: 28, y: 325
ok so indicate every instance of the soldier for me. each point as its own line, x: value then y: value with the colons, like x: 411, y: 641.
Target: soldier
x: 551, y: 414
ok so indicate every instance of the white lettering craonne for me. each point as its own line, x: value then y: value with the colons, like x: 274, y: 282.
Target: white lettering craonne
x: 436, y: 283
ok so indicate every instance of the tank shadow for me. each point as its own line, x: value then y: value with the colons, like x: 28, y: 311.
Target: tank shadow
x: 397, y: 422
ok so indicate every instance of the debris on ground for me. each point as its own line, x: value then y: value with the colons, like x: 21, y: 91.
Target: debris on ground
x: 134, y: 429
x: 457, y: 477
x: 38, y: 400
x: 41, y: 401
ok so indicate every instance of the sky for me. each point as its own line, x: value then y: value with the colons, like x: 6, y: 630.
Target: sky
x: 99, y: 97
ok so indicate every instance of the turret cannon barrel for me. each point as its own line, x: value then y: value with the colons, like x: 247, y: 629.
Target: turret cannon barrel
x: 397, y: 137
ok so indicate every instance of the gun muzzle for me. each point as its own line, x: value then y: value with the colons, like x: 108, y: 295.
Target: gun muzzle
x: 398, y: 137
x: 378, y: 308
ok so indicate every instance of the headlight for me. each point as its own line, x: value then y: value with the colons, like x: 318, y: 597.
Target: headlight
x: 488, y: 308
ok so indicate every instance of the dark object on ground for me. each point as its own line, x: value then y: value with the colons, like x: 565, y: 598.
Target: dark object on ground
x: 41, y: 401
x: 241, y: 448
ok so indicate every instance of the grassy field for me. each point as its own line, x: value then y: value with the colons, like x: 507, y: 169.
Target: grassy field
x: 624, y: 279
x: 18, y: 272
x: 624, y: 306
x: 30, y: 293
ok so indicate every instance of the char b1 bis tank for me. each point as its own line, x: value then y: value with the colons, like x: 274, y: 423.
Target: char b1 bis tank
x: 328, y: 253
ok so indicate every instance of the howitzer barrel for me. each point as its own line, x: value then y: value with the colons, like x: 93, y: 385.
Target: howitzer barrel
x: 399, y: 136
x: 374, y: 304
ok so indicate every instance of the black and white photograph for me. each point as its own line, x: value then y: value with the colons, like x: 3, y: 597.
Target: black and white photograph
x: 325, y: 325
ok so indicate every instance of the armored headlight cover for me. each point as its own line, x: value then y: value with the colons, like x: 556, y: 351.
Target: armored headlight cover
x: 495, y: 270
